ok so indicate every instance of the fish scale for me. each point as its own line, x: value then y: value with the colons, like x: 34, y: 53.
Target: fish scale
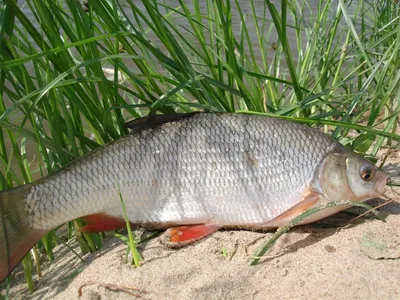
x: 209, y: 166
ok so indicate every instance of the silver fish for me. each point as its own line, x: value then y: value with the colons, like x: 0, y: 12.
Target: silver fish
x: 196, y: 173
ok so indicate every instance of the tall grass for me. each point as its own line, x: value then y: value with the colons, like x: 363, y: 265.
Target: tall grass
x: 336, y: 64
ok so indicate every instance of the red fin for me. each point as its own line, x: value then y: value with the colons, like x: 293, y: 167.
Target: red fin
x: 310, y: 198
x: 102, y: 222
x: 180, y: 236
x: 16, y: 236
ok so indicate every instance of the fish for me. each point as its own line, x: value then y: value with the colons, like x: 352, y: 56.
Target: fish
x: 191, y: 174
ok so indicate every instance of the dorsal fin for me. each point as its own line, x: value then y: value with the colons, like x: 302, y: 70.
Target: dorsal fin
x: 154, y: 121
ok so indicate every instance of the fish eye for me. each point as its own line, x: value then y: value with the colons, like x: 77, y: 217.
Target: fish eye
x: 366, y: 173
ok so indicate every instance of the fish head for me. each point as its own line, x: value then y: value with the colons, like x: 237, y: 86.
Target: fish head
x: 365, y: 179
x: 345, y: 175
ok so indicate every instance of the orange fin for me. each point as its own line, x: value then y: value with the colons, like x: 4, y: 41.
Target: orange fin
x: 102, y: 222
x: 310, y: 198
x: 176, y: 237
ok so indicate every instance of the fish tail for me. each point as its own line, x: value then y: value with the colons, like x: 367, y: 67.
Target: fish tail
x: 16, y: 236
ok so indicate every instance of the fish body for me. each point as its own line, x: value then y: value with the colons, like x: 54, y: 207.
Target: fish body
x: 216, y: 170
x: 233, y: 169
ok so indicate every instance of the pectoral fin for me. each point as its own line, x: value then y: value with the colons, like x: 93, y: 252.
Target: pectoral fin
x: 176, y: 237
x: 309, y: 200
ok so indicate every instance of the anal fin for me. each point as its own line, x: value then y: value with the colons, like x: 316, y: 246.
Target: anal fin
x: 176, y: 237
x: 102, y: 222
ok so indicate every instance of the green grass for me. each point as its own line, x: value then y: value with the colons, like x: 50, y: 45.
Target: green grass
x: 339, y: 70
x: 137, y: 259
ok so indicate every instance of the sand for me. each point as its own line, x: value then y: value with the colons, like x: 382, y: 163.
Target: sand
x: 336, y: 258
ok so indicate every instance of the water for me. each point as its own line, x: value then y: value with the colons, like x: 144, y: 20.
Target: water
x: 261, y: 11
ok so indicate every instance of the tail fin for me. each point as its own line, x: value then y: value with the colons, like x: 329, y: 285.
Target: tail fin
x: 16, y: 236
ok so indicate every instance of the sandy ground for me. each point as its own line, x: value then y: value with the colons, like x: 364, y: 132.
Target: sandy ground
x: 333, y: 259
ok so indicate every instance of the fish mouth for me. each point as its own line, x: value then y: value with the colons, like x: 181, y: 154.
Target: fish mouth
x: 381, y: 185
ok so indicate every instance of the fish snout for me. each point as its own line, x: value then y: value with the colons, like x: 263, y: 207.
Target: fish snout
x: 382, y: 182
